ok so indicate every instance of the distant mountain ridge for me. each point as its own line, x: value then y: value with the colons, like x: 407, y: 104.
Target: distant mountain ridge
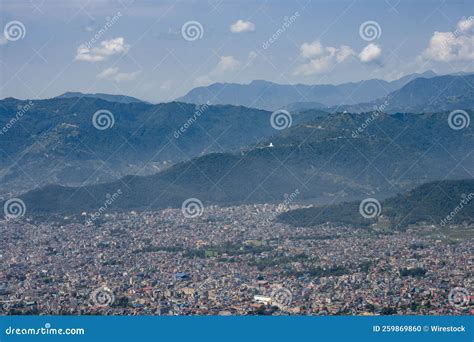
x: 449, y: 92
x: 272, y: 96
x: 102, y: 96
x: 55, y: 141
x: 435, y: 94
x: 321, y: 158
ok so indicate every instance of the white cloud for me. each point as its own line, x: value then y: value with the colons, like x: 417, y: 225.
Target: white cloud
x: 100, y: 53
x: 107, y: 73
x: 309, y: 50
x: 370, y: 53
x: 343, y: 53
x: 126, y: 76
x: 452, y: 46
x: 225, y: 65
x: 242, y: 26
x: 465, y: 25
x: 3, y: 40
x: 315, y: 66
x: 321, y: 59
x: 115, y: 75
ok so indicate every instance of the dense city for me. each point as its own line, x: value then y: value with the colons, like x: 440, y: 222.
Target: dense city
x: 235, y: 260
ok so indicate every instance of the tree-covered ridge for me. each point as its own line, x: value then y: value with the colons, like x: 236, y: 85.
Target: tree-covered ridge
x: 437, y: 203
x: 322, y: 158
x: 54, y: 141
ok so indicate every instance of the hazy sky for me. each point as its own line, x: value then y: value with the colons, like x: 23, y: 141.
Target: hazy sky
x: 142, y: 49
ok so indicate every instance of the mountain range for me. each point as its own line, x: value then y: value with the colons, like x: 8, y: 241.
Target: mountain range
x: 224, y: 154
x: 273, y: 96
x: 449, y: 92
x: 55, y: 141
x: 322, y: 159
x: 106, y: 97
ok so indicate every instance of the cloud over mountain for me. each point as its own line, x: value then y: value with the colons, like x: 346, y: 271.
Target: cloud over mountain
x: 320, y: 59
x: 114, y: 74
x: 370, y: 53
x: 452, y: 46
x: 225, y: 65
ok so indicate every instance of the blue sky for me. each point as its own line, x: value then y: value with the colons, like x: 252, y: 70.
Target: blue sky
x: 144, y: 53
